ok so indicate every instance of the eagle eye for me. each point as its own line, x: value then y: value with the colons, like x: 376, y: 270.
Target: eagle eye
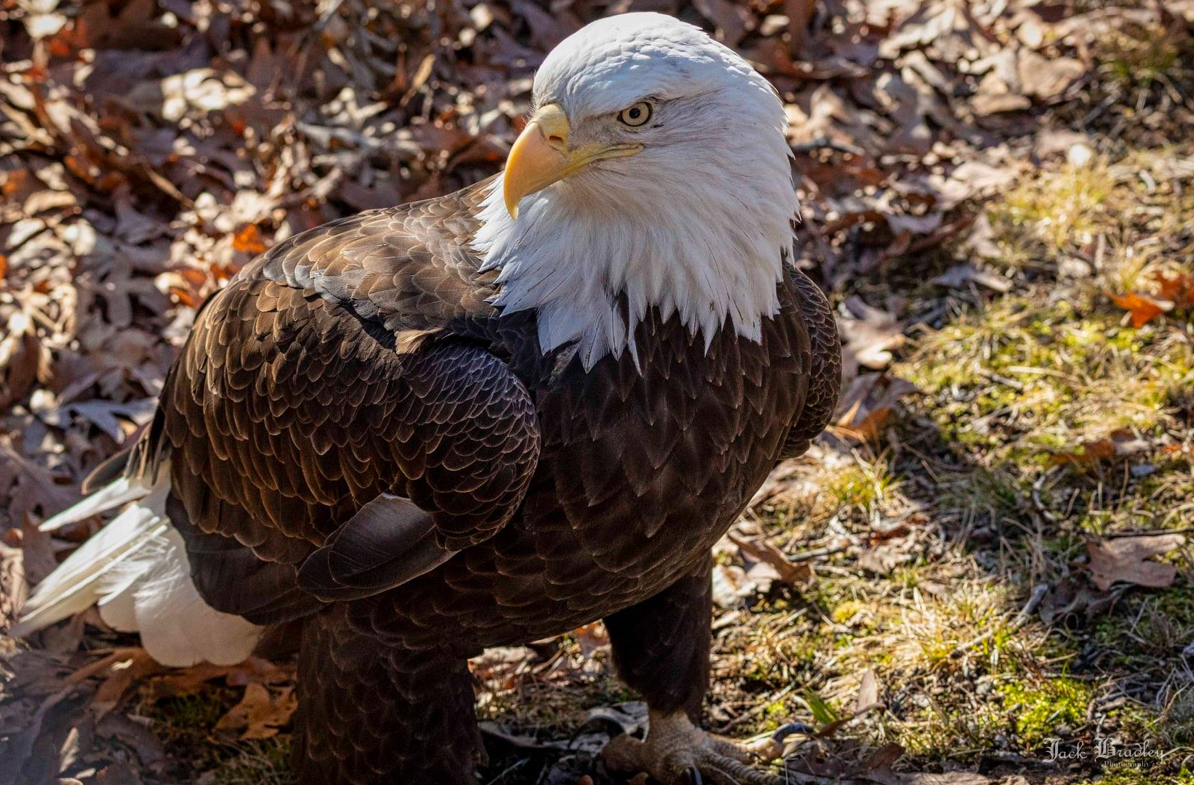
x: 636, y: 115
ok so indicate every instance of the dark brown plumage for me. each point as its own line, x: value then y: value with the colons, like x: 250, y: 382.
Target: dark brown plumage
x: 485, y: 419
x: 351, y: 421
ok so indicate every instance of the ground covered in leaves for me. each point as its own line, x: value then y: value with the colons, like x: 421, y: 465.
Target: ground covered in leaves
x: 984, y: 560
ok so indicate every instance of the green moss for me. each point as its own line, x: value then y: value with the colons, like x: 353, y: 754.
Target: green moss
x: 937, y: 647
x: 844, y: 612
x: 1039, y: 711
x: 1177, y: 603
x: 861, y: 485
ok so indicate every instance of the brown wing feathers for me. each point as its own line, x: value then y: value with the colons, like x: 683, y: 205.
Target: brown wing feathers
x: 300, y: 413
x: 388, y: 542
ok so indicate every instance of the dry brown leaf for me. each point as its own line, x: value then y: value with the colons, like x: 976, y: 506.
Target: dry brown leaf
x: 1177, y: 288
x: 248, y: 240
x: 20, y: 358
x: 866, y: 408
x: 947, y: 778
x: 731, y: 584
x: 1118, y: 444
x: 260, y: 713
x: 868, y: 692
x: 728, y: 18
x: 13, y: 586
x: 791, y: 573
x: 1092, y: 452
x: 592, y: 638
x: 255, y: 670
x: 1047, y: 78
x: 1074, y: 598
x: 869, y: 427
x: 1126, y: 560
x: 869, y: 338
x: 121, y: 673
x: 1142, y: 307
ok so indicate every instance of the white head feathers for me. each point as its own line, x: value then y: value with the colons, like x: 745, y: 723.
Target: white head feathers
x: 697, y: 223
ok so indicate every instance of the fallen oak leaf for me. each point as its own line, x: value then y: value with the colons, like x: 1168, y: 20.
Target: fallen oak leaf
x: 869, y: 337
x: 1126, y: 560
x: 1047, y: 78
x: 1074, y: 601
x: 869, y: 428
x: 260, y: 713
x: 1142, y: 307
x: 591, y: 637
x: 123, y: 674
x: 868, y: 404
x: 180, y: 681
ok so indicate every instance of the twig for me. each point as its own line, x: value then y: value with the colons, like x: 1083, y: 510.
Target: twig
x: 1036, y: 495
x: 1004, y: 380
x: 1148, y: 533
x: 759, y: 708
x: 828, y: 550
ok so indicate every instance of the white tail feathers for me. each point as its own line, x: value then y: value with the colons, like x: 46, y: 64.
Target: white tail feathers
x: 136, y: 570
x: 107, y: 498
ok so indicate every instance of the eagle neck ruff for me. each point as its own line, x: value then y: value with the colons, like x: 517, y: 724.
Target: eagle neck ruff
x: 591, y: 260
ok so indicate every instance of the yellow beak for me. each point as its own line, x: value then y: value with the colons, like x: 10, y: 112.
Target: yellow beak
x: 542, y: 155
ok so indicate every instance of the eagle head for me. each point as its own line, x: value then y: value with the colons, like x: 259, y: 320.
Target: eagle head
x: 654, y: 171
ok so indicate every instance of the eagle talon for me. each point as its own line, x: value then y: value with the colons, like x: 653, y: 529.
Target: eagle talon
x: 676, y: 752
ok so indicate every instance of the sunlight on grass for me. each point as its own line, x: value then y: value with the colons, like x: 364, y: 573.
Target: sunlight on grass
x: 866, y: 485
x: 1016, y: 386
x: 1043, y: 709
x: 1058, y: 209
x: 1028, y: 377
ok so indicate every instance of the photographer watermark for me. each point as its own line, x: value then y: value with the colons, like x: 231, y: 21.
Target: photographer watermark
x: 1104, y: 748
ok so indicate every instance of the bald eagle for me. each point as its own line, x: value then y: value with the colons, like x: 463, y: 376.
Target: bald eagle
x: 484, y: 419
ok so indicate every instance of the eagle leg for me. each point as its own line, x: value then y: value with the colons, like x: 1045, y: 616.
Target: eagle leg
x: 373, y: 714
x: 661, y: 649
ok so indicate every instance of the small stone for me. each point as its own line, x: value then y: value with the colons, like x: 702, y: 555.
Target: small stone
x: 1080, y: 155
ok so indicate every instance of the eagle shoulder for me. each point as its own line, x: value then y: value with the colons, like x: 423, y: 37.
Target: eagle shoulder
x: 406, y: 267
